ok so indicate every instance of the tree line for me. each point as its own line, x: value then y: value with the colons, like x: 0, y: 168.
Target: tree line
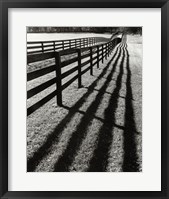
x: 49, y: 29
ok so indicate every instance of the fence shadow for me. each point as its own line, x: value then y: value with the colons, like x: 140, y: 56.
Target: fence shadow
x: 99, y: 160
x: 33, y: 161
x: 130, y: 161
x: 66, y: 159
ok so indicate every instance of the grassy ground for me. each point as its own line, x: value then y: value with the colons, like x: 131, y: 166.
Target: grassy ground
x: 99, y: 127
x: 62, y: 36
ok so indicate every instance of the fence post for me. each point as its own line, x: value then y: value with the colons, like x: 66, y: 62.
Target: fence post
x: 106, y: 51
x: 97, y: 56
x: 58, y: 78
x: 54, y: 46
x: 80, y: 43
x: 111, y: 46
x: 102, y: 53
x: 63, y: 45
x: 69, y: 43
x: 88, y: 43
x: 109, y: 49
x: 42, y: 47
x: 91, y: 61
x: 115, y: 42
x: 83, y: 42
x: 79, y: 68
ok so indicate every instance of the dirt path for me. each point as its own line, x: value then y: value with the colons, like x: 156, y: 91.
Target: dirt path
x: 99, y: 127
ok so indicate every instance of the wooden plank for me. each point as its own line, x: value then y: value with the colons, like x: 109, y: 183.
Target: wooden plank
x: 33, y: 42
x: 85, y: 49
x: 32, y: 47
x: 34, y: 52
x: 100, y: 59
x: 40, y: 88
x: 94, y: 58
x: 48, y: 50
x: 39, y: 57
x: 70, y: 61
x: 78, y: 46
x: 58, y: 48
x: 85, y: 55
x: 69, y: 82
x: 36, y: 42
x: 42, y: 47
x: 66, y: 45
x: 85, y: 70
x: 51, y: 45
x: 67, y: 73
x: 94, y: 62
x: 58, y: 45
x: 94, y: 53
x: 73, y: 41
x: 43, y: 101
x: 67, y: 52
x: 85, y: 63
x: 39, y: 73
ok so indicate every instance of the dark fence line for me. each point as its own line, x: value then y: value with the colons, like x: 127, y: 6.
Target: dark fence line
x: 48, y: 46
x: 81, y: 57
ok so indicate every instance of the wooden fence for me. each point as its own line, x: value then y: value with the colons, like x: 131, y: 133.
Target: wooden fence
x: 48, y: 46
x: 79, y: 57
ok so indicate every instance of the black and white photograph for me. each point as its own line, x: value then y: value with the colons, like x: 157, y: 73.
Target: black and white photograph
x: 84, y: 99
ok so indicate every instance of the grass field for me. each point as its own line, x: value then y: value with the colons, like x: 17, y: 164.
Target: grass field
x: 62, y: 36
x: 99, y: 128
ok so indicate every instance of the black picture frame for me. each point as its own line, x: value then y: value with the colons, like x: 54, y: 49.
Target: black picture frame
x: 4, y: 5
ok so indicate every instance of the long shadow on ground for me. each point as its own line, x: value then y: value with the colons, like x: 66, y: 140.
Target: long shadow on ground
x: 99, y: 161
x: 43, y: 151
x: 130, y: 161
x: 77, y: 137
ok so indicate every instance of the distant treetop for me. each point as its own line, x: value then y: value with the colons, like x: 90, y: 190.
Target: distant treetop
x: 49, y: 29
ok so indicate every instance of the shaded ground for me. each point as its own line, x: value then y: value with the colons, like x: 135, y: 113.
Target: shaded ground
x: 99, y: 127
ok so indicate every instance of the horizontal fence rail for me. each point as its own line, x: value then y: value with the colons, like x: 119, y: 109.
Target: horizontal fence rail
x: 78, y: 61
x: 48, y: 46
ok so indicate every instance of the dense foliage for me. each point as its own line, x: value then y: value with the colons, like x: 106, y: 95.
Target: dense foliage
x: 48, y: 29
